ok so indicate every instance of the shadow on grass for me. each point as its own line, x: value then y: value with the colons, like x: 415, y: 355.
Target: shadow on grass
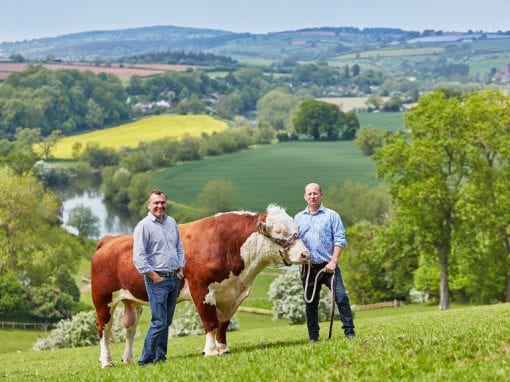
x: 249, y: 348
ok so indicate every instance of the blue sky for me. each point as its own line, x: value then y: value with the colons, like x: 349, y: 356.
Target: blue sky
x: 29, y: 19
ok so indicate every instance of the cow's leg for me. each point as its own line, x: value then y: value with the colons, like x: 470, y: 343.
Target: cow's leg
x: 221, y: 338
x: 207, y: 313
x: 104, y: 323
x: 130, y: 318
x: 210, y: 348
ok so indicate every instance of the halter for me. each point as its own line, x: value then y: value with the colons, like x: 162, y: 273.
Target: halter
x: 284, y: 243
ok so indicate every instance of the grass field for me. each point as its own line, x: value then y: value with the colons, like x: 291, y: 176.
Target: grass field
x: 392, y: 344
x: 483, y: 66
x: 145, y: 129
x: 392, y: 53
x: 391, y: 122
x: 274, y: 173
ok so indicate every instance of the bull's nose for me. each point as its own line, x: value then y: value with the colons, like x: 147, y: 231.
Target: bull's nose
x: 304, y: 256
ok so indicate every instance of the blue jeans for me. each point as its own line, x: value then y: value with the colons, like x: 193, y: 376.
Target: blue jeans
x: 162, y: 301
x: 341, y: 299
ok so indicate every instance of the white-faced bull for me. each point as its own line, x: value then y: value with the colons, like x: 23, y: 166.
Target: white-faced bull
x: 224, y: 254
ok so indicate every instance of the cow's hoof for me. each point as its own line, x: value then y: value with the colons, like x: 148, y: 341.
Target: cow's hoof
x: 211, y: 352
x: 223, y: 349
x: 107, y: 365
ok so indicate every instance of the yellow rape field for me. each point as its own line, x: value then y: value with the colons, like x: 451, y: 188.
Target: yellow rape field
x: 142, y: 130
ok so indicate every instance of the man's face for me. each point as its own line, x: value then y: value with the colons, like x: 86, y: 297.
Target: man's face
x: 313, y: 196
x: 157, y: 205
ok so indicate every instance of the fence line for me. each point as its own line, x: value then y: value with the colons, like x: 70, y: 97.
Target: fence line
x: 384, y: 304
x: 26, y: 325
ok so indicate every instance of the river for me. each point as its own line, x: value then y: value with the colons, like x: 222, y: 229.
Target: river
x: 86, y: 192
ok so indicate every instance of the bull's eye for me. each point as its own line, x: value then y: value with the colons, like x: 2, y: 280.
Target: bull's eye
x: 278, y: 231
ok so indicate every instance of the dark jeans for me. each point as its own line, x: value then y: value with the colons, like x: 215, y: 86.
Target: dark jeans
x: 341, y: 299
x: 162, y: 300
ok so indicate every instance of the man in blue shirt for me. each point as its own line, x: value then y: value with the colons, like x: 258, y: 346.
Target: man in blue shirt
x: 158, y: 255
x: 323, y: 233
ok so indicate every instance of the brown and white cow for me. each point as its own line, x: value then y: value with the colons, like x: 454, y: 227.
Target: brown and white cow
x: 224, y: 253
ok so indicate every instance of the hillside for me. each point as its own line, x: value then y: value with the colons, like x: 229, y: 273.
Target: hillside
x: 306, y: 44
x: 290, y: 165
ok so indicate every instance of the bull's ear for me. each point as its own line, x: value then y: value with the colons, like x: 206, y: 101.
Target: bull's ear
x: 263, y: 228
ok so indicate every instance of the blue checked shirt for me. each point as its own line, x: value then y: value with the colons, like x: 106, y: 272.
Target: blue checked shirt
x: 157, y: 246
x: 320, y: 232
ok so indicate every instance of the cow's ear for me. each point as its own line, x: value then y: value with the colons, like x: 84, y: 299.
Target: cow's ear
x: 263, y: 228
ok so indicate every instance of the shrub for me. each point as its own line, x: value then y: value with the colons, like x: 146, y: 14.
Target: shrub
x: 13, y: 296
x: 187, y: 322
x: 79, y: 331
x: 50, y: 304
x: 286, y: 294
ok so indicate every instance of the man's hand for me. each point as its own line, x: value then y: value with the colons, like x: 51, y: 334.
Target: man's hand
x: 155, y: 277
x: 330, y: 267
x: 180, y: 274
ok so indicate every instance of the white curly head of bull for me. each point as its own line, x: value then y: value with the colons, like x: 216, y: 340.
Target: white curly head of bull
x: 282, y: 231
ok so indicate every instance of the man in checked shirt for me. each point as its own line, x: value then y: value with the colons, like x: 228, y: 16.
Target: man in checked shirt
x: 323, y: 233
x: 158, y: 255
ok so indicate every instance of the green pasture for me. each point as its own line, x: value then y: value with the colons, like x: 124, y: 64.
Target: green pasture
x: 275, y: 173
x: 145, y: 129
x: 483, y: 66
x: 390, y: 122
x: 392, y: 53
x: 392, y: 344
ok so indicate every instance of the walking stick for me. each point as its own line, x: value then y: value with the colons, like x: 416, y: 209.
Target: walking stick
x: 333, y: 287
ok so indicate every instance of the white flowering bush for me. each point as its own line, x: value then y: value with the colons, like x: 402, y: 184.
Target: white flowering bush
x: 80, y: 330
x: 286, y: 294
x: 187, y: 322
x: 418, y: 297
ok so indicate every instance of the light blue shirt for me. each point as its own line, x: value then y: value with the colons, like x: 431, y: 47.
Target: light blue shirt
x: 157, y: 246
x: 321, y: 232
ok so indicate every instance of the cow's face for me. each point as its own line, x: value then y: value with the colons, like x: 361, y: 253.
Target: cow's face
x: 282, y: 230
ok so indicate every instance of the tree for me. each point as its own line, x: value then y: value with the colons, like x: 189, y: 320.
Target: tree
x: 351, y: 126
x: 31, y: 238
x: 485, y: 199
x: 139, y: 187
x: 21, y: 161
x: 319, y: 119
x: 275, y: 110
x: 356, y: 202
x: 380, y: 261
x: 374, y: 102
x: 95, y: 115
x: 219, y: 195
x: 84, y: 220
x: 369, y: 138
x: 426, y: 172
x: 191, y: 105
x: 98, y: 157
x: 229, y: 105
x: 13, y: 296
x: 115, y: 185
x: 393, y: 104
x: 49, y: 142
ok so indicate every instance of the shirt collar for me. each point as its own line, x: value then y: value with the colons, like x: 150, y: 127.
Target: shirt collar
x: 321, y: 209
x: 154, y: 218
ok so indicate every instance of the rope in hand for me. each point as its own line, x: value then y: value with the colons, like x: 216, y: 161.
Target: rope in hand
x: 333, y: 286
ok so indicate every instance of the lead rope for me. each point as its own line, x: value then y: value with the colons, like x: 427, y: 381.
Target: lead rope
x: 333, y: 286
